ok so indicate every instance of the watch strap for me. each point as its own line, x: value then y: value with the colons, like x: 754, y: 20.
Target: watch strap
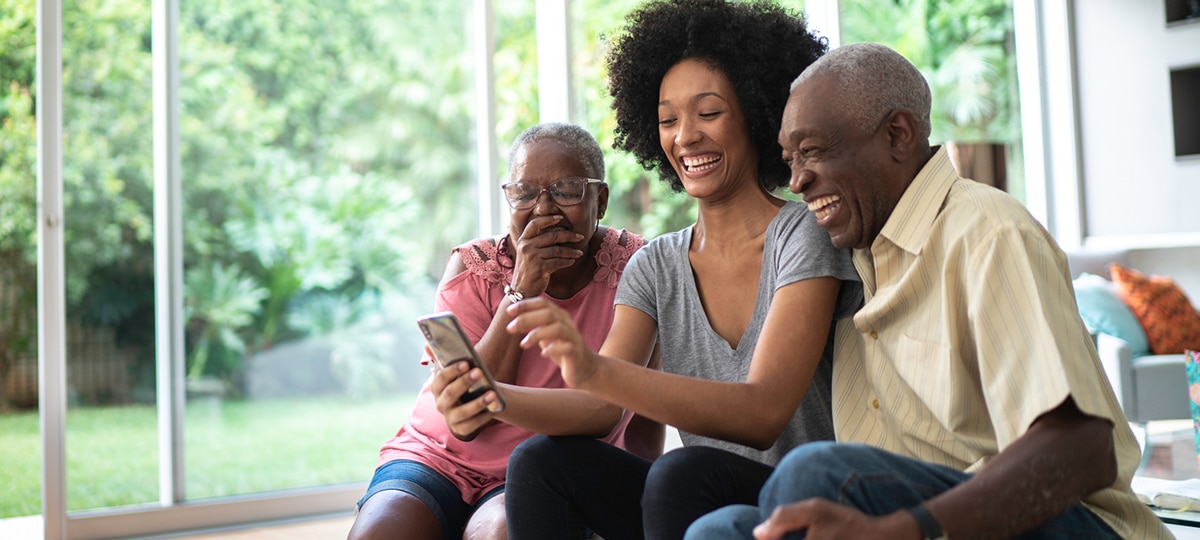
x: 930, y: 528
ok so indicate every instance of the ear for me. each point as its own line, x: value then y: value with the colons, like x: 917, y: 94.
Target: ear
x: 902, y: 134
x: 601, y: 201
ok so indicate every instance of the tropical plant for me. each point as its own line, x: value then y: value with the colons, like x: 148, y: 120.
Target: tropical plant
x: 220, y: 301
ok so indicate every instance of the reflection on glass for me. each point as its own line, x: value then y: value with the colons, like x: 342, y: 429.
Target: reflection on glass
x: 111, y: 439
x: 965, y: 49
x: 327, y: 171
x: 20, y: 480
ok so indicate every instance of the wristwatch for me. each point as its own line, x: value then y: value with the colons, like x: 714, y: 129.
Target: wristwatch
x: 512, y: 294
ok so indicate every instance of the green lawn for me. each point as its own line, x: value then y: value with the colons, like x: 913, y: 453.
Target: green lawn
x: 230, y: 448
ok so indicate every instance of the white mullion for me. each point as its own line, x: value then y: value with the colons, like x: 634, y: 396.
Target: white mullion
x: 824, y: 17
x: 555, y: 92
x: 168, y: 252
x: 491, y: 208
x: 52, y: 321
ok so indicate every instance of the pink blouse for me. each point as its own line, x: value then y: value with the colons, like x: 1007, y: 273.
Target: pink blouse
x: 478, y: 466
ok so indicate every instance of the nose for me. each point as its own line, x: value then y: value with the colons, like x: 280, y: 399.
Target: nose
x: 801, y: 179
x: 545, y: 203
x: 686, y: 133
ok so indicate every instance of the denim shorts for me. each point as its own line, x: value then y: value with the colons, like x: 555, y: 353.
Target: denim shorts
x: 438, y: 493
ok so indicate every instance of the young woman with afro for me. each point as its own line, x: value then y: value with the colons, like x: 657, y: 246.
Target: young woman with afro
x: 743, y: 302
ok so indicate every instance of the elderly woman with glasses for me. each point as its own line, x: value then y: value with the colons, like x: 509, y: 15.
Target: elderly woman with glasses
x: 444, y: 472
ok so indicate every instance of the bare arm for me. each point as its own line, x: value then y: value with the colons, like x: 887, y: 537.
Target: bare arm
x: 500, y: 351
x: 537, y: 256
x: 558, y: 411
x: 752, y: 412
x: 1064, y: 456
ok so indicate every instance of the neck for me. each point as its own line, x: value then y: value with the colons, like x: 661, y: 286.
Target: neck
x: 736, y: 221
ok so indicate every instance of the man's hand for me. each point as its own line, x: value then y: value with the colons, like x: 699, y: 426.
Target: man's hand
x: 464, y: 419
x: 823, y: 519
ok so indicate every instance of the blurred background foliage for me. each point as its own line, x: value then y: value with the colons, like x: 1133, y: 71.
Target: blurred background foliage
x: 328, y: 160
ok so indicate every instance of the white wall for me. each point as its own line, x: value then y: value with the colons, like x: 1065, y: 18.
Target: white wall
x: 1133, y: 184
x: 1136, y: 194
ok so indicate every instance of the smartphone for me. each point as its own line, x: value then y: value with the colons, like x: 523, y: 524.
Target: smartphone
x: 449, y: 345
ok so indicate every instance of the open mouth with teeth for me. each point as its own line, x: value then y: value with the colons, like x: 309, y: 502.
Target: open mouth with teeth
x: 823, y: 207
x: 700, y: 163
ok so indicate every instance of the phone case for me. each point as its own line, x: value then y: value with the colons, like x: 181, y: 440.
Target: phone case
x: 449, y: 345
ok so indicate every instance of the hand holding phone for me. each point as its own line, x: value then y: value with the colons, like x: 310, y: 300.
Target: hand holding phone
x: 450, y: 345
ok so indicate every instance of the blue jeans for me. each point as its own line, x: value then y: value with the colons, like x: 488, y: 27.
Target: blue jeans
x: 438, y: 493
x: 871, y: 480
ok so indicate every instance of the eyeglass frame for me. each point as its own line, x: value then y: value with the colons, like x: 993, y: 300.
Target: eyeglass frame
x: 533, y: 202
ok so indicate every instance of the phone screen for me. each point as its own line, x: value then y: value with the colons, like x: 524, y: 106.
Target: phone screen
x: 449, y: 345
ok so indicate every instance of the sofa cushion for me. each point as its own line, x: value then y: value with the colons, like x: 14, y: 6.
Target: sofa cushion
x: 1170, y: 321
x: 1103, y: 310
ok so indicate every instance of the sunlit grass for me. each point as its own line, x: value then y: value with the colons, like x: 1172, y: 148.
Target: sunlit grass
x: 230, y: 448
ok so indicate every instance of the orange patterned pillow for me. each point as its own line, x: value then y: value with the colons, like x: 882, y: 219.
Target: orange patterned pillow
x: 1164, y: 311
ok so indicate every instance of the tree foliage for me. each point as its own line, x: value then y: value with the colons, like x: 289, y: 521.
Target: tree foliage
x: 327, y: 154
x: 964, y: 49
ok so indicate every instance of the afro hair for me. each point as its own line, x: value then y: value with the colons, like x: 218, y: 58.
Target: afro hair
x: 760, y: 46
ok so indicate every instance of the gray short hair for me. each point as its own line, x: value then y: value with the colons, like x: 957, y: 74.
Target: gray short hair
x: 873, y: 79
x: 577, y: 138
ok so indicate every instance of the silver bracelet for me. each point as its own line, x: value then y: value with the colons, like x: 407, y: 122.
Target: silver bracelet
x: 512, y: 294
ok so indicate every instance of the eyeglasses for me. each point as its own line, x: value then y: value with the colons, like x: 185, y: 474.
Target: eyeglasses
x: 564, y: 192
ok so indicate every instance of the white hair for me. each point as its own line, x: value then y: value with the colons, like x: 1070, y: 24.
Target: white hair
x: 872, y: 80
x: 578, y: 139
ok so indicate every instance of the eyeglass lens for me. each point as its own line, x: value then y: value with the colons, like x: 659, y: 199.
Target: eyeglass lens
x: 565, y: 192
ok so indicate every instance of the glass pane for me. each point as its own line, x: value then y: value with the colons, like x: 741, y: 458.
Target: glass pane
x: 112, y: 456
x: 20, y: 479
x: 965, y: 48
x: 328, y: 168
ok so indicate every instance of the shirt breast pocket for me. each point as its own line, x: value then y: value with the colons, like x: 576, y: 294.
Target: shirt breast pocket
x: 931, y: 378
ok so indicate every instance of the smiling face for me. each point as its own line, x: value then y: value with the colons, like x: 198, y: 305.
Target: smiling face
x: 543, y: 162
x: 702, y: 130
x: 848, y: 177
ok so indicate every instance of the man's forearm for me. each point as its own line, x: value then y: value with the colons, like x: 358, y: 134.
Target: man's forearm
x: 1065, y: 456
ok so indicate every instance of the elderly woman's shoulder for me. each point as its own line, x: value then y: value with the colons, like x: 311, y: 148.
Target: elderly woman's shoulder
x: 623, y: 238
x: 488, y: 258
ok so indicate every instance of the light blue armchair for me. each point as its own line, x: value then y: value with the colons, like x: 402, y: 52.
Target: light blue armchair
x: 1149, y: 387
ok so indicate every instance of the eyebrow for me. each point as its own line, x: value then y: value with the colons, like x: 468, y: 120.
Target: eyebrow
x: 698, y: 97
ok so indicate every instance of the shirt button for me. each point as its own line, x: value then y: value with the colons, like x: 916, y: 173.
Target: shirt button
x: 875, y: 403
x: 874, y: 334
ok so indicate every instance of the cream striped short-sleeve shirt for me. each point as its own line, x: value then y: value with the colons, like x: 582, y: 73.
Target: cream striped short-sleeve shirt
x: 970, y: 333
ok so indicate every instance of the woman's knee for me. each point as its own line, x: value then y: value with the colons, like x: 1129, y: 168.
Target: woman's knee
x: 488, y: 522
x: 540, y: 453
x: 680, y: 466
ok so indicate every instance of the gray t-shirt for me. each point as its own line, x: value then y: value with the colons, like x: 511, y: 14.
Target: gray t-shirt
x: 659, y: 282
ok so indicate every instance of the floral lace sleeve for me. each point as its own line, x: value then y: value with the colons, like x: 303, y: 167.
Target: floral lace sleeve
x: 484, y: 258
x: 614, y: 253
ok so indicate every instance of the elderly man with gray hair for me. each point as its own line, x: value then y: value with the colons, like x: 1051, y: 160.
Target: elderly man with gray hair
x: 968, y: 398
